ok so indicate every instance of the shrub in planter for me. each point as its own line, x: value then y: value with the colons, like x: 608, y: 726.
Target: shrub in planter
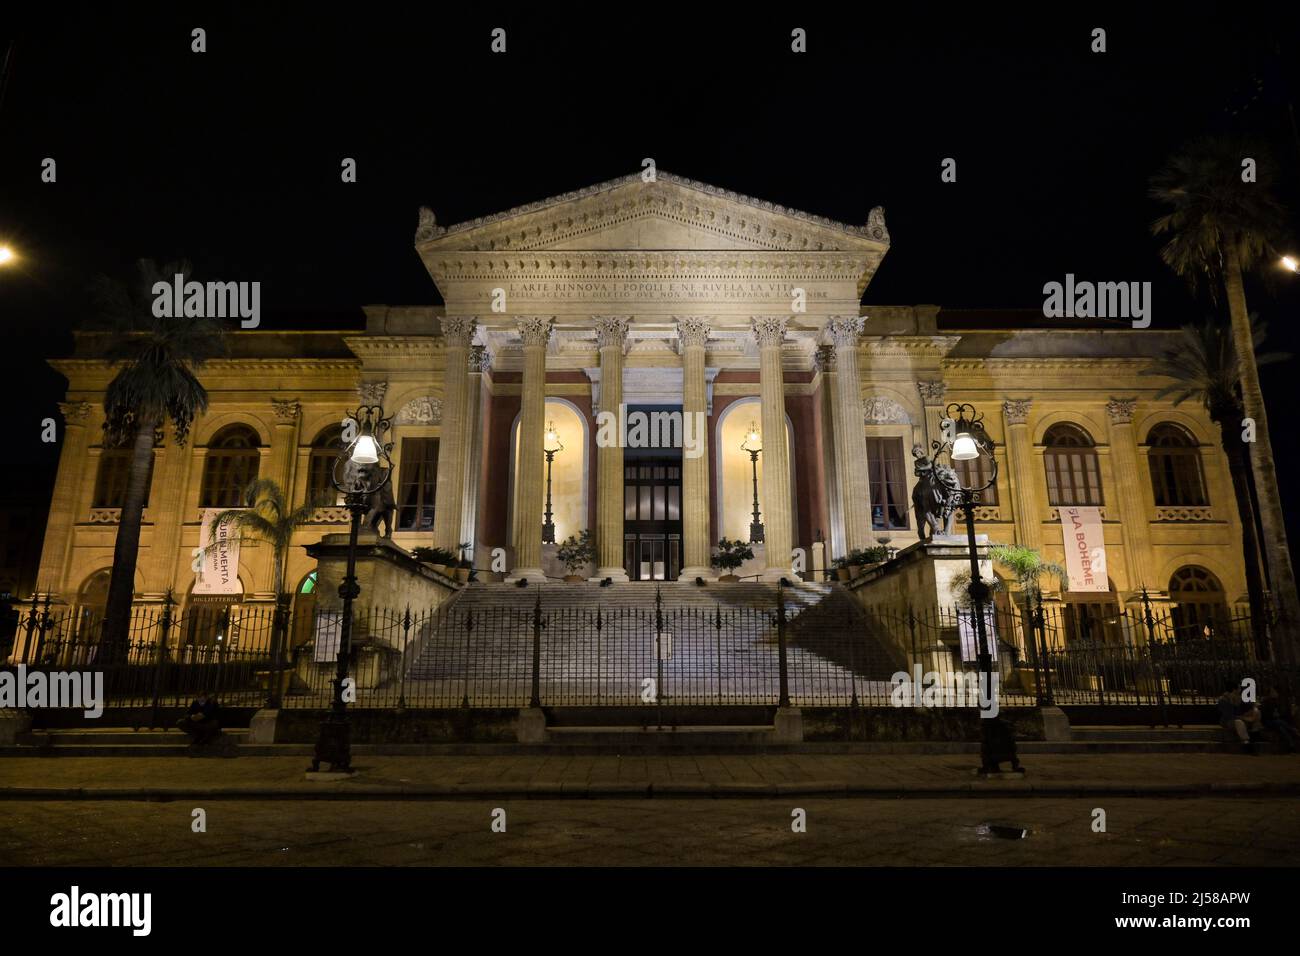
x: 841, y: 566
x: 576, y: 553
x: 464, y: 568
x: 730, y: 556
x: 440, y: 559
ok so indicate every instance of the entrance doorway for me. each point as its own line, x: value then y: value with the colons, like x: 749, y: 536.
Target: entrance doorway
x: 652, y: 518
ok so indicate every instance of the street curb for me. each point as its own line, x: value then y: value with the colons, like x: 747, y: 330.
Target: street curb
x: 350, y: 789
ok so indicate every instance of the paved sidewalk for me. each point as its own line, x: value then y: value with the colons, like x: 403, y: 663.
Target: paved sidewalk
x: 547, y: 776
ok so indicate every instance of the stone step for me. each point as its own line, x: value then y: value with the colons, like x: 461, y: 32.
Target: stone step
x: 1142, y: 732
x: 117, y: 736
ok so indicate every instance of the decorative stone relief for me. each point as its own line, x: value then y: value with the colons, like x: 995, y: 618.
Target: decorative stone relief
x: 876, y: 224
x: 536, y: 329
x: 1184, y: 514
x: 932, y: 393
x: 372, y: 393
x: 480, y: 359
x: 1017, y: 410
x: 428, y: 227
x: 286, y: 410
x: 879, y: 410
x: 692, y: 330
x: 459, y: 329
x: 420, y: 411
x: 769, y: 330
x: 844, y: 330
x: 611, y: 330
x: 1121, y: 410
x: 74, y: 413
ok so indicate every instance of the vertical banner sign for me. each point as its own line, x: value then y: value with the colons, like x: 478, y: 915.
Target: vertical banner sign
x: 219, y: 569
x: 969, y: 637
x: 1085, y: 550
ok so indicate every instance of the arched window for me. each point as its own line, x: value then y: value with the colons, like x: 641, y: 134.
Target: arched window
x: 1071, y: 463
x: 1175, y: 459
x: 320, y: 466
x: 114, y: 474
x: 1200, y: 606
x: 230, y: 466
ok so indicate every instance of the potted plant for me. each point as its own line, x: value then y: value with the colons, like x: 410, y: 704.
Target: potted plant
x: 862, y: 558
x: 841, y: 566
x: 440, y: 559
x: 576, y: 553
x: 731, y: 555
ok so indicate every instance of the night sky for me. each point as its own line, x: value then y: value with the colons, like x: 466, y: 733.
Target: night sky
x: 231, y: 158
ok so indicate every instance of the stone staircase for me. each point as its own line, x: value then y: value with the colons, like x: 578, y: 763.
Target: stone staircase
x: 598, y: 646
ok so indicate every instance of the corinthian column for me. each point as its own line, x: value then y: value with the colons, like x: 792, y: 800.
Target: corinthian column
x: 693, y: 332
x: 828, y: 400
x: 611, y: 335
x: 769, y: 330
x: 531, y: 490
x: 458, y: 332
x: 479, y: 361
x: 1024, y: 474
x: 850, y: 437
x: 64, y: 503
x: 1132, y: 502
x: 932, y: 397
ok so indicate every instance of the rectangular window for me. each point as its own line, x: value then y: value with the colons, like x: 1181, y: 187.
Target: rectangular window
x: 975, y: 474
x: 888, y: 484
x: 417, y: 484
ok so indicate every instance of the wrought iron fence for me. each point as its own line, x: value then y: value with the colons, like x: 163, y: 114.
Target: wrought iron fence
x: 792, y: 645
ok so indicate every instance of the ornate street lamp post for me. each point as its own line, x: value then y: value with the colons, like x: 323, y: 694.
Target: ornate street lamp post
x: 363, y: 468
x: 754, y: 445
x: 551, y: 446
x: 970, y: 442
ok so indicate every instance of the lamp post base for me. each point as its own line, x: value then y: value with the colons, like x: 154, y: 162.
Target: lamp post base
x: 333, y: 747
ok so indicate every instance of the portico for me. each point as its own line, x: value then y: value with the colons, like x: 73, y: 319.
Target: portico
x: 669, y: 294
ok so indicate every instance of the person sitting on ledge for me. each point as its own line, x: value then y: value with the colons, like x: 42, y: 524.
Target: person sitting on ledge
x: 1239, y: 717
x: 202, y: 722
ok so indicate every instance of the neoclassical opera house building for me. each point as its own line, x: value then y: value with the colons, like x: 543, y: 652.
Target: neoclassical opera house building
x: 668, y: 295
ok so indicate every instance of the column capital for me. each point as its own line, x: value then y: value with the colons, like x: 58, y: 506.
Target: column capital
x: 611, y: 330
x: 535, y: 329
x: 479, y: 359
x: 824, y: 359
x: 1121, y: 410
x: 693, y: 330
x: 458, y: 330
x: 74, y: 413
x: 372, y: 393
x: 843, y: 330
x: 932, y: 392
x: 1016, y: 410
x: 769, y: 330
x: 286, y: 410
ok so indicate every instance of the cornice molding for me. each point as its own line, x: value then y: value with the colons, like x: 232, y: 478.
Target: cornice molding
x: 689, y: 201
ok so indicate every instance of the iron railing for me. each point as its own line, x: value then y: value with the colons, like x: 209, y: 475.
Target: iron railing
x: 796, y: 645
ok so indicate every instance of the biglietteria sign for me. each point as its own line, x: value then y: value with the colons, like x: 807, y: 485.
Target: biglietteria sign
x: 218, y: 565
x: 1085, y: 549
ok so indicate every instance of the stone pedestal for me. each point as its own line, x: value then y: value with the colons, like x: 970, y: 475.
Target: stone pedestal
x: 788, y: 724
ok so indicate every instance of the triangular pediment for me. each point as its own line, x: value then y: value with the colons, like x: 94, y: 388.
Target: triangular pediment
x: 669, y: 213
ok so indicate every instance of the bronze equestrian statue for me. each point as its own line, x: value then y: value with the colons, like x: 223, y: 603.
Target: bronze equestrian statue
x: 936, y: 495
x: 380, y: 505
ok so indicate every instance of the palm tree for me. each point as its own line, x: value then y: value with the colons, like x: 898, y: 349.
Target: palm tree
x: 155, y: 383
x: 1027, y: 567
x: 269, y: 517
x: 1203, y: 365
x: 1219, y: 227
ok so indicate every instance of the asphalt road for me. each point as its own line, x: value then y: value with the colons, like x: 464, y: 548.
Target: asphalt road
x: 1201, y: 831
